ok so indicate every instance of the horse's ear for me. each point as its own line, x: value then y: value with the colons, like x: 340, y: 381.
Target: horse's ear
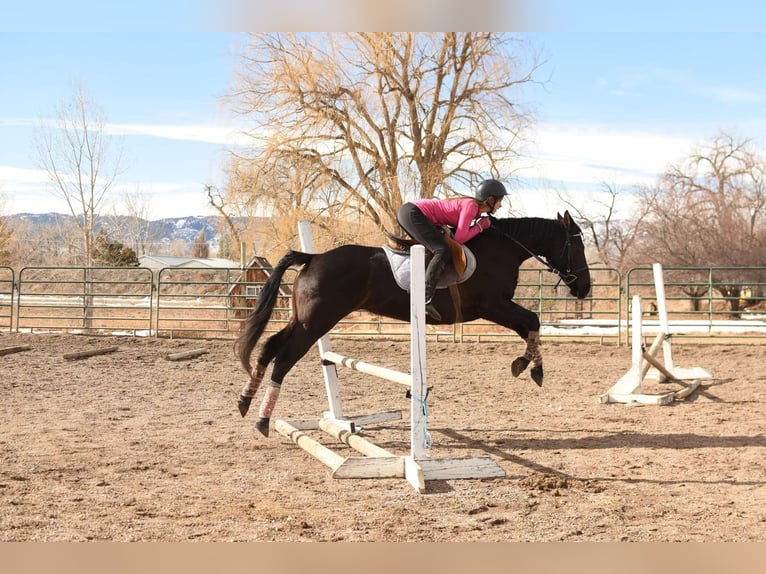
x: 566, y: 220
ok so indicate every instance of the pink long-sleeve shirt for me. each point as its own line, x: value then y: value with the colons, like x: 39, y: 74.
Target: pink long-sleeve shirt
x: 457, y: 213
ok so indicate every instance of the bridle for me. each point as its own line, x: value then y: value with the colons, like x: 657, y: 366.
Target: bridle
x: 568, y: 276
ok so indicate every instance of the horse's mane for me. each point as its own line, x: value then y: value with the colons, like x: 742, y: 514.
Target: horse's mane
x: 520, y: 227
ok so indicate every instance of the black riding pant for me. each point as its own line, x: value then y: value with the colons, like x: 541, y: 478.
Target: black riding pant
x: 423, y: 231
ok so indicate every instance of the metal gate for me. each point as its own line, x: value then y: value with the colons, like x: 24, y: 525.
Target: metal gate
x: 106, y: 300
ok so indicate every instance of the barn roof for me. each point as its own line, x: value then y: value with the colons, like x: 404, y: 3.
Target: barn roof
x: 159, y: 262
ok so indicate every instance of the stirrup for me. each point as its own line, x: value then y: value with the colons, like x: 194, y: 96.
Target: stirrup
x: 431, y: 311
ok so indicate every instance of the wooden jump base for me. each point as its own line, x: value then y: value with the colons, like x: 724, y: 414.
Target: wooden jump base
x: 11, y: 350
x: 376, y: 462
x: 90, y: 353
x: 646, y: 365
x: 182, y: 355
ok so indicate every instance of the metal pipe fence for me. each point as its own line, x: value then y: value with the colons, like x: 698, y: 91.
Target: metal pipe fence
x: 7, y: 283
x: 212, y: 303
x: 84, y: 299
x: 704, y: 301
x: 194, y: 302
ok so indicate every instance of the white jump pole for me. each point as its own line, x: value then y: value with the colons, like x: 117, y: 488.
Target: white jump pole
x: 419, y: 389
x: 662, y: 313
x: 678, y: 373
x: 367, y: 368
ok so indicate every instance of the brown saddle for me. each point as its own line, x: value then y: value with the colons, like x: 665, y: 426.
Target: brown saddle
x: 403, y: 245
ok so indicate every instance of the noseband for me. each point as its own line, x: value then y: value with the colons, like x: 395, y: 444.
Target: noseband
x: 570, y: 275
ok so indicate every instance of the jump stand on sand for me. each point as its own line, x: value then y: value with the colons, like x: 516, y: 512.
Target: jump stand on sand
x: 646, y: 365
x: 416, y: 467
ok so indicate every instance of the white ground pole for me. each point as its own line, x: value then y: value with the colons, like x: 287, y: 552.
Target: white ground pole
x: 628, y: 389
x: 377, y: 462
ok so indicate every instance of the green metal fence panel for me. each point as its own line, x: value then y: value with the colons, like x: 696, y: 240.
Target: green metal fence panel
x: 7, y: 287
x: 212, y: 303
x: 561, y: 315
x: 703, y: 301
x: 202, y: 302
x: 100, y: 300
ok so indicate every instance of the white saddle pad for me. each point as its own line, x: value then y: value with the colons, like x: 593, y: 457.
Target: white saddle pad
x: 400, y: 265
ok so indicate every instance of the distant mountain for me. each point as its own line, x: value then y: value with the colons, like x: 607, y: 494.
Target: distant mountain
x: 186, y: 229
x: 163, y: 231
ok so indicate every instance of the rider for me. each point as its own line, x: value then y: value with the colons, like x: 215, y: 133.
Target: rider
x: 423, y: 219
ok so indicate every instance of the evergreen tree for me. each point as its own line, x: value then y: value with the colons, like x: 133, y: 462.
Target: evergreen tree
x: 110, y: 253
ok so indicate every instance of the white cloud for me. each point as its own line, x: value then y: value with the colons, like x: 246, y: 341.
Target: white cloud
x: 573, y: 161
x: 587, y: 154
x: 567, y: 159
x: 30, y: 191
x: 18, y: 122
x: 205, y: 133
x: 732, y: 95
x: 215, y: 134
x: 15, y: 176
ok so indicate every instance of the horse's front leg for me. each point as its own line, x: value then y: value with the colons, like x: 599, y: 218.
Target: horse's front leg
x: 531, y: 355
x: 527, y: 325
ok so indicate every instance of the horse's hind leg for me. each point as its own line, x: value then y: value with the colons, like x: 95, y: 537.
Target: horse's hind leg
x: 293, y: 346
x: 270, y: 349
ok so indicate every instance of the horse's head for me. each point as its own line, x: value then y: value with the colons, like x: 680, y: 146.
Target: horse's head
x: 568, y: 258
x: 557, y: 244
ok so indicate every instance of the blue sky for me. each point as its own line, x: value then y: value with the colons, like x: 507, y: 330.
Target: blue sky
x: 623, y: 93
x: 161, y: 93
x: 618, y: 107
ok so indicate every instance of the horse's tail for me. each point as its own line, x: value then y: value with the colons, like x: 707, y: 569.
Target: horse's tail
x: 256, y: 323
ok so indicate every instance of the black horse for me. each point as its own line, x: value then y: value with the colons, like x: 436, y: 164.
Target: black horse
x: 351, y: 277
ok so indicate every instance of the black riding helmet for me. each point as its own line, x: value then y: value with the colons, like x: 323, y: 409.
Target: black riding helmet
x: 489, y: 188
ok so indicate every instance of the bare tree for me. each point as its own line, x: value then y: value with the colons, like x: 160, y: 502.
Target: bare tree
x: 710, y: 210
x: 6, y: 233
x: 200, y: 247
x: 76, y: 153
x: 174, y: 248
x: 271, y: 235
x: 347, y: 124
x: 217, y: 200
x: 614, y: 236
x: 134, y: 228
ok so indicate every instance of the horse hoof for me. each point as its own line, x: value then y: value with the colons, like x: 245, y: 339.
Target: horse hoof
x: 244, y: 404
x: 518, y: 366
x: 537, y: 375
x: 262, y: 426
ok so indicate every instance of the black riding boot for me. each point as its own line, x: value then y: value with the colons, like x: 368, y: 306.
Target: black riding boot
x: 433, y: 273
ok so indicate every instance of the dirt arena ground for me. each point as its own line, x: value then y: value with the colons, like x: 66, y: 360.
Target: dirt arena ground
x: 129, y: 446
